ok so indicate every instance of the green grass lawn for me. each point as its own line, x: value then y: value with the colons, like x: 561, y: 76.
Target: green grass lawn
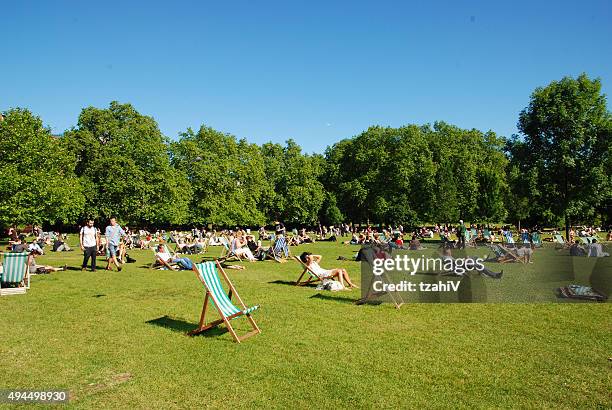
x: 117, y: 339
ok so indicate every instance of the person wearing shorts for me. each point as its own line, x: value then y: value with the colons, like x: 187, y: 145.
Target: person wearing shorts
x: 113, y: 234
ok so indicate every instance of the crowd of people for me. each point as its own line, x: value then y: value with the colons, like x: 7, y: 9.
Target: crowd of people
x: 244, y: 244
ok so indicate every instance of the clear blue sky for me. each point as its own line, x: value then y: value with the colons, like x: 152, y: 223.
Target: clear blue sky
x: 313, y: 71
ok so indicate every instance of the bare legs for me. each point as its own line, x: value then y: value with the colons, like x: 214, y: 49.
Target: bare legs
x: 343, y: 276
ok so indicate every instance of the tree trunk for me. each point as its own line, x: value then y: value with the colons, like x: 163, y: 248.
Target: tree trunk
x: 567, y: 228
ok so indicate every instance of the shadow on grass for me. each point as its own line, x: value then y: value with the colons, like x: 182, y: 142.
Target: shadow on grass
x: 341, y: 299
x: 182, y: 326
x: 292, y: 283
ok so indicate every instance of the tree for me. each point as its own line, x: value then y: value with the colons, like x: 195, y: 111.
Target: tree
x: 297, y: 192
x: 123, y: 162
x: 567, y: 130
x: 227, y: 177
x: 38, y: 183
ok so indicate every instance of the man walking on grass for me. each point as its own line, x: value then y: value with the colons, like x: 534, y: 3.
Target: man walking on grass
x: 89, y: 238
x: 113, y: 234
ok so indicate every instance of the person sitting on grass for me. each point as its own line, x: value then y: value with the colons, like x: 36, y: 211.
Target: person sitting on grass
x: 577, y: 250
x: 35, y: 268
x: 255, y: 247
x: 596, y: 250
x: 60, y: 246
x: 415, y: 244
x: 165, y: 258
x: 304, y: 238
x: 312, y: 261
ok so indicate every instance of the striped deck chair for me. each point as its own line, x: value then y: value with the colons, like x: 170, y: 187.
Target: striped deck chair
x: 312, y: 277
x: 228, y: 251
x: 470, y: 237
x: 559, y: 240
x: 536, y: 239
x: 208, y: 274
x: 509, y: 238
x: 15, y: 271
x: 280, y: 249
x: 486, y: 234
x: 505, y: 255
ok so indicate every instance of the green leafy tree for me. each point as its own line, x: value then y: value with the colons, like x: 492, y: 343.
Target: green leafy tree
x: 567, y: 129
x: 298, y: 193
x: 123, y: 162
x: 38, y: 183
x: 227, y: 177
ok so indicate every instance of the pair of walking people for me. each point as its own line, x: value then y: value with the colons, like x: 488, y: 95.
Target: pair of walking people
x: 89, y: 239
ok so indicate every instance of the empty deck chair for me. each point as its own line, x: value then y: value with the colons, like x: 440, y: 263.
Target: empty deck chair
x: 208, y: 274
x: 15, y: 278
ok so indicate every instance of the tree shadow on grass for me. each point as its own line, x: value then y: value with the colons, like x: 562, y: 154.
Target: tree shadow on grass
x: 292, y: 283
x: 182, y: 326
x: 341, y: 299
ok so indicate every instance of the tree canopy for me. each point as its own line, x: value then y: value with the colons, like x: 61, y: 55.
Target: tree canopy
x: 116, y: 162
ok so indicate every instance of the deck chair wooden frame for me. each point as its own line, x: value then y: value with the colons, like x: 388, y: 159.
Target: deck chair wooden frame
x: 558, y: 239
x: 15, y: 269
x: 208, y: 274
x: 279, y: 249
x: 514, y: 257
x: 312, y: 277
x: 156, y: 263
x: 227, y: 253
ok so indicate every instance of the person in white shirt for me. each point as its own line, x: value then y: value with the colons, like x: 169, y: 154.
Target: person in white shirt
x: 89, y: 239
x: 164, y: 258
x: 312, y: 261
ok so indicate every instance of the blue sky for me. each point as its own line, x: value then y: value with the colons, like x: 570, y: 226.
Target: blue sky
x: 313, y: 71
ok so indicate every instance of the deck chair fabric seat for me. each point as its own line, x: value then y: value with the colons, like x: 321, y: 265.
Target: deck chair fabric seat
x: 15, y: 271
x: 208, y: 274
x: 156, y: 263
x: 280, y: 247
x: 312, y: 276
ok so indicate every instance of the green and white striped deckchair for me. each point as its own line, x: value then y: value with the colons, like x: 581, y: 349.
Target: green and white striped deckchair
x: 208, y: 274
x: 559, y: 239
x: 14, y: 272
x: 486, y: 234
x: 535, y: 238
x: 585, y: 240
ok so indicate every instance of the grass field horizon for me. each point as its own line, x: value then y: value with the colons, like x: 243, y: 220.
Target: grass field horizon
x: 117, y: 339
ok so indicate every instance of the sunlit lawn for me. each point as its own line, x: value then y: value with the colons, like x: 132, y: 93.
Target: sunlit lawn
x: 117, y: 340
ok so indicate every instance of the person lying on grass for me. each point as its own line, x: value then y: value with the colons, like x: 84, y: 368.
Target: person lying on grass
x: 165, y: 259
x: 312, y: 261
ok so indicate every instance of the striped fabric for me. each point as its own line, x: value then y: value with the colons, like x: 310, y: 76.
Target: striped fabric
x: 559, y: 239
x: 210, y: 276
x: 14, y: 267
x: 281, y: 246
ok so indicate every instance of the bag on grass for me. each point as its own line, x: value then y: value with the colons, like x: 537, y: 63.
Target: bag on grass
x: 330, y: 284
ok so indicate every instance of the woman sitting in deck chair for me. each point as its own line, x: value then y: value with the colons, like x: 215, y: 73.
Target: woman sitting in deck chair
x: 312, y: 262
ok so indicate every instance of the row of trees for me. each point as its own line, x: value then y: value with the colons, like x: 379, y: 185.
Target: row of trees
x: 115, y: 161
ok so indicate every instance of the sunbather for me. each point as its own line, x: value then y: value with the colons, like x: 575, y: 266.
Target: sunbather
x: 312, y: 261
x: 165, y: 259
x: 36, y: 268
x: 240, y: 249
